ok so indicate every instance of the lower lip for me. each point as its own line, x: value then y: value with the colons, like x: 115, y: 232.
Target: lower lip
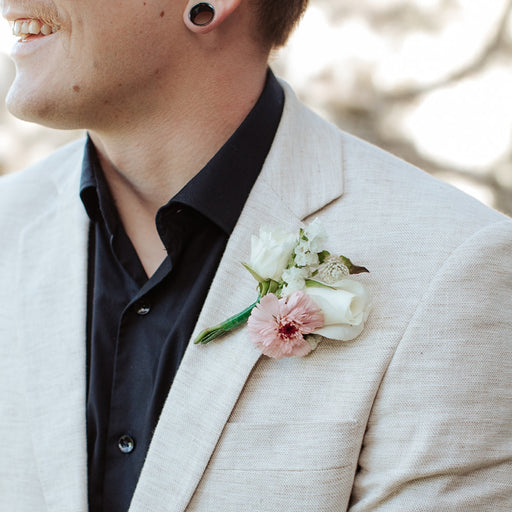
x: 24, y: 47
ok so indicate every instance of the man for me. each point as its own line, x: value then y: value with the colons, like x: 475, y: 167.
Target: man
x: 117, y: 251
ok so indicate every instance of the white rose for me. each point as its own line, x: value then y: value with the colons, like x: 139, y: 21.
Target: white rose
x: 270, y: 252
x: 345, y: 309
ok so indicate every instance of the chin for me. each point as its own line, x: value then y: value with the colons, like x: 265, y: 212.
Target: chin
x: 41, y: 107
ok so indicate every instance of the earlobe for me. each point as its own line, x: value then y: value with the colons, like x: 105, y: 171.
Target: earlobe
x: 203, y: 17
x: 201, y: 14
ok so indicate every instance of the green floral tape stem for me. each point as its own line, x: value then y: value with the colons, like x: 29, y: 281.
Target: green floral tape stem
x: 228, y: 325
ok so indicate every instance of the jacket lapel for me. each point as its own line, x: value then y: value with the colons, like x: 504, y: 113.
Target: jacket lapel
x: 52, y: 254
x: 211, y: 378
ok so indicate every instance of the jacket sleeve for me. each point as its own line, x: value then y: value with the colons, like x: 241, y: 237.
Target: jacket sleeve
x: 440, y: 433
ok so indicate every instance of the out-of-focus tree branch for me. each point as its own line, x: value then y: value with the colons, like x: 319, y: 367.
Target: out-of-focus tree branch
x: 497, y: 44
x: 365, y: 105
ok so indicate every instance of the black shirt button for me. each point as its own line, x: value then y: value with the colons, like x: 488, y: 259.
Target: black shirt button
x: 142, y: 308
x: 126, y: 444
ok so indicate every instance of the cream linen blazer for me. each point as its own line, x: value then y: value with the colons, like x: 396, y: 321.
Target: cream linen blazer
x: 413, y: 415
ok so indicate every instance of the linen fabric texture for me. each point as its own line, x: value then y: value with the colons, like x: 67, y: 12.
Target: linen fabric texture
x: 413, y: 415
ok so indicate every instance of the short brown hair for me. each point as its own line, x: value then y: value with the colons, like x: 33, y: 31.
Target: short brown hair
x: 277, y: 18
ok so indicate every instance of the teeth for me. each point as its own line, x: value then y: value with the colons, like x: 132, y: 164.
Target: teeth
x: 25, y: 28
x: 34, y: 27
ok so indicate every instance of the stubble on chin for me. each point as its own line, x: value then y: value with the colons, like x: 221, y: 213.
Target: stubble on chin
x: 36, y: 107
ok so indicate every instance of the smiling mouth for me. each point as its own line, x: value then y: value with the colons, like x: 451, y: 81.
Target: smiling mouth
x: 27, y: 28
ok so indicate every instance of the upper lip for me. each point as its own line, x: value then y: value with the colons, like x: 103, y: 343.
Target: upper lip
x: 10, y: 13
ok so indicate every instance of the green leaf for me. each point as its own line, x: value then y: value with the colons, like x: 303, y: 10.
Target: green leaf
x: 253, y: 273
x: 273, y: 286
x: 345, y: 261
x: 313, y: 283
x: 358, y: 270
x: 264, y: 287
x: 353, y: 269
x: 322, y: 256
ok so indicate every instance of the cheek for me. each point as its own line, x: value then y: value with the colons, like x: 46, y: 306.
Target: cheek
x: 116, y: 49
x: 118, y: 57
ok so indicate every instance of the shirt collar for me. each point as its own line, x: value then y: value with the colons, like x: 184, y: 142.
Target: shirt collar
x: 222, y: 187
x: 220, y: 190
x: 94, y: 190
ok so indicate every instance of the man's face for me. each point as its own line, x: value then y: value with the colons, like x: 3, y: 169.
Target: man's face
x: 101, y: 59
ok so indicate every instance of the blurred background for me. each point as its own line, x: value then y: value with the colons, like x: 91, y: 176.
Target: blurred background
x: 428, y: 80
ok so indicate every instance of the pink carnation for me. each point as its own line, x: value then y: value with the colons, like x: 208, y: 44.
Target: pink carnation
x: 277, y: 326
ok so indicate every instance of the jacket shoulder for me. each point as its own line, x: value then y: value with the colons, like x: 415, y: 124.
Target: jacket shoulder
x: 24, y: 192
x: 400, y: 193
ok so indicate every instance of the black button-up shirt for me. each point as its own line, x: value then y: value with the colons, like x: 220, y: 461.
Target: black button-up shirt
x: 139, y: 328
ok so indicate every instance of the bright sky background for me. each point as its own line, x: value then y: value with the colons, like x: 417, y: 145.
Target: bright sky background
x: 6, y: 38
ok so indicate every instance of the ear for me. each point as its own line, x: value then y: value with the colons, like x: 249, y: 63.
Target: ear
x: 222, y: 8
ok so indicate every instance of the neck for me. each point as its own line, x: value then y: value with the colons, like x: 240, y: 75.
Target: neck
x: 149, y: 156
x: 154, y: 155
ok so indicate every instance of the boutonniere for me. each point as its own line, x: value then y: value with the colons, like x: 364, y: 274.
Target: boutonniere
x: 305, y: 295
